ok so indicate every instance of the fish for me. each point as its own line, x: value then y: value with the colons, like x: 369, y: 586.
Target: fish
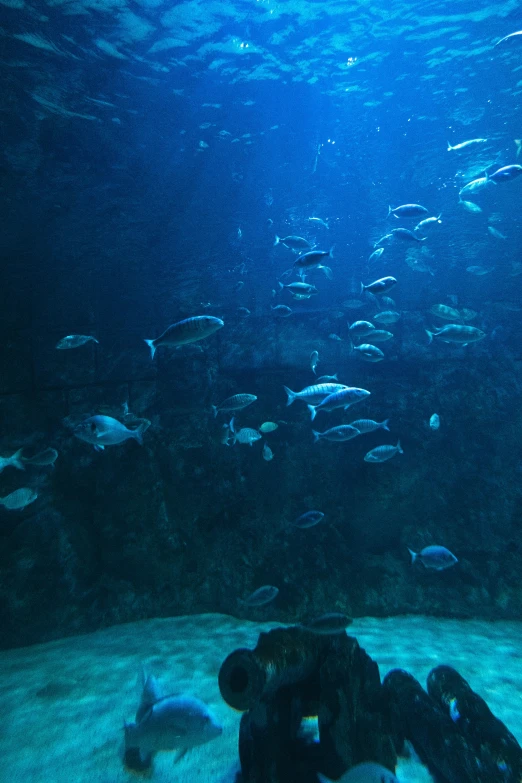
x: 327, y: 378
x: 344, y: 398
x: 404, y: 234
x: 376, y: 254
x: 470, y: 206
x: 283, y: 311
x: 368, y: 425
x: 45, y: 457
x: 247, y: 436
x: 365, y: 772
x: 428, y: 222
x: 383, y: 453
x: 495, y: 233
x: 319, y: 221
x: 228, y: 434
x: 268, y: 454
x: 468, y: 315
x: 309, y: 519
x: 268, y: 426
x: 313, y: 394
x: 328, y: 624
x: 407, y: 210
x: 235, y: 403
x: 457, y: 333
x: 361, y: 328
x: 506, y: 173
x: 336, y: 337
x: 314, y: 361
x: 474, y: 185
x: 379, y: 286
x: 337, y: 434
x: 238, y: 286
x: 170, y: 723
x: 244, y: 312
x: 104, y: 431
x: 261, y: 596
x: 387, y: 317
x: 293, y: 242
x: 370, y: 353
x: 444, y: 312
x: 299, y: 288
x: 19, y: 499
x: 437, y: 558
x: 507, y: 37
x: 518, y: 143
x: 434, y: 421
x: 381, y: 336
x: 187, y: 331
x: 386, y: 301
x: 464, y: 144
x: 312, y: 259
x: 15, y: 461
x: 353, y: 304
x: 74, y: 341
x: 479, y: 271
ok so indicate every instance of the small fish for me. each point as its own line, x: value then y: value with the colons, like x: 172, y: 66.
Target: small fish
x: 376, y: 254
x: 379, y: 286
x: 353, y: 304
x: 468, y: 315
x: 268, y: 426
x: 104, y: 431
x: 19, y: 499
x: 434, y: 422
x: 282, y: 311
x: 383, y: 453
x: 327, y: 378
x: 295, y: 243
x: 386, y: 301
x: 457, y: 333
x: 337, y: 434
x: 235, y: 403
x: 361, y: 328
x: 518, y: 143
x: 309, y: 519
x: 479, y: 271
x: 314, y: 361
x: 247, y: 436
x: 381, y: 336
x: 261, y: 596
x: 74, y: 341
x: 319, y: 221
x: 344, y: 398
x: 299, y: 288
x: 436, y: 557
x: 326, y: 271
x: 238, y: 286
x: 506, y: 173
x: 313, y: 394
x: 336, y: 337
x: 313, y: 259
x: 445, y: 312
x: 387, y: 317
x: 244, y: 312
x: 424, y: 224
x: 474, y: 185
x: 268, y: 454
x: 187, y: 331
x: 45, y: 457
x: 470, y: 206
x: 365, y: 772
x: 495, y: 233
x: 370, y: 353
x: 228, y: 434
x: 507, y: 37
x: 464, y: 144
x: 368, y: 425
x: 405, y: 235
x: 407, y: 210
x: 328, y: 624
x: 15, y: 461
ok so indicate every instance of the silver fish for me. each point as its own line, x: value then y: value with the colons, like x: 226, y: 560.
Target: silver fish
x: 464, y: 144
x: 187, y: 331
x: 309, y: 519
x: 387, y: 317
x: 327, y: 378
x: 435, y: 421
x: 444, y: 312
x: 370, y: 353
x: 268, y: 426
x: 376, y: 254
x: 474, y: 185
x: 407, y: 210
x: 423, y: 225
x: 335, y: 337
x: 337, y: 434
x: 368, y: 425
x: 247, y: 436
x: 293, y: 242
x: 470, y: 206
x: 495, y: 233
x: 381, y: 336
x: 268, y: 454
x: 314, y: 361
x: 313, y: 394
x: 379, y: 286
x: 15, y: 461
x: 282, y: 311
x: 235, y: 403
x: 74, y: 341
x: 313, y: 259
x: 319, y: 221
x: 305, y: 289
x: 361, y: 328
x: 436, y: 557
x: 383, y: 453
x: 479, y: 271
x: 457, y: 333
x: 344, y: 398
x: 45, y: 457
x: 19, y: 499
x: 261, y: 596
x: 104, y: 431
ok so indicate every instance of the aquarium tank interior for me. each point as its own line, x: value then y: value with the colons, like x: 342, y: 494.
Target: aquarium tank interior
x: 260, y: 391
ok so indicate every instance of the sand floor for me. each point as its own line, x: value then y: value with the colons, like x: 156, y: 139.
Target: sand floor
x: 64, y: 703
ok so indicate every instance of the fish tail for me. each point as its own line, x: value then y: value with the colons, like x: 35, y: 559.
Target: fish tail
x: 384, y: 425
x: 330, y: 252
x: 281, y: 286
x: 317, y: 435
x: 16, y: 460
x: 291, y: 395
x: 152, y: 347
x: 390, y: 210
x: 399, y: 447
x: 413, y: 554
x: 430, y: 336
x: 362, y: 288
x: 312, y: 410
x: 138, y: 433
x: 335, y: 377
x: 215, y: 410
x: 449, y: 147
x: 231, y: 427
x: 277, y: 240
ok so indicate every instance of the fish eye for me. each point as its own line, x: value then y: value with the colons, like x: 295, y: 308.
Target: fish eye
x: 93, y: 427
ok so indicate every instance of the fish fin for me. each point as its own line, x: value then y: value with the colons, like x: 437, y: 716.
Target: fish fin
x: 231, y: 426
x: 291, y: 395
x: 312, y: 410
x: 390, y: 210
x: 152, y: 347
x: 317, y: 436
x: 215, y: 410
x: 413, y: 554
x: 277, y: 240
x: 99, y: 447
x: 280, y: 284
x: 430, y: 336
x: 16, y: 460
x: 399, y: 447
x: 138, y: 433
x: 363, y: 288
x: 330, y: 252
x: 95, y: 340
x: 384, y: 425
x: 449, y: 147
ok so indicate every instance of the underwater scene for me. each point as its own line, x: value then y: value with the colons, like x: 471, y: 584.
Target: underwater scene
x: 260, y: 398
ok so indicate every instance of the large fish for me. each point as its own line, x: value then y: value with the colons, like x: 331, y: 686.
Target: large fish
x: 187, y: 331
x: 104, y: 431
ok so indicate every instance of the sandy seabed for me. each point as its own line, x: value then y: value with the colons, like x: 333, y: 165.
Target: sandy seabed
x: 64, y: 703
